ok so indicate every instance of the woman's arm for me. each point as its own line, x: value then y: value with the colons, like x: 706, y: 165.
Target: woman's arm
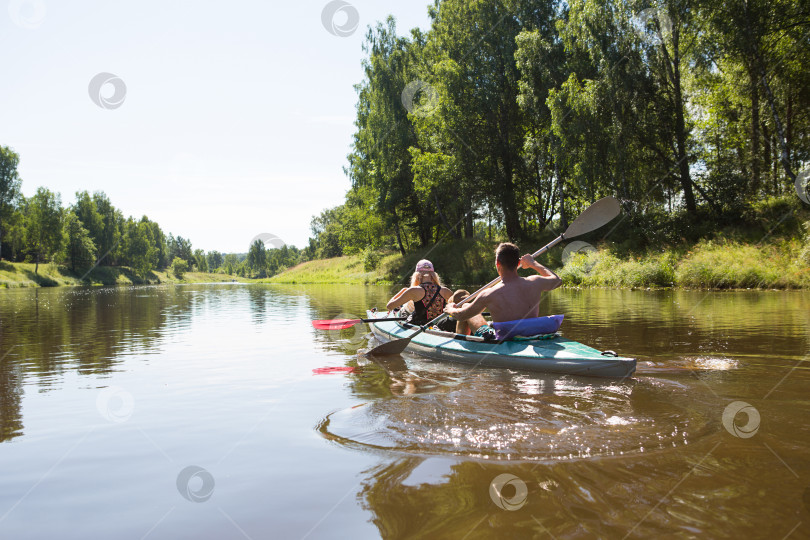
x: 400, y: 298
x: 446, y: 293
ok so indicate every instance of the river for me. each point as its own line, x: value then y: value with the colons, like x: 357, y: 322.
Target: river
x: 218, y: 411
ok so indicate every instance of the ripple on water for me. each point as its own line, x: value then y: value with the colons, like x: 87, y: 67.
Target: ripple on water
x: 522, y: 417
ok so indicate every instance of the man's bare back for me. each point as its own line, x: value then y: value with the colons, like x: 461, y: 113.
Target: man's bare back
x: 513, y: 299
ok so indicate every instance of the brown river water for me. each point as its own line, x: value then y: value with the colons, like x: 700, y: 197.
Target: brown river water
x: 203, y: 411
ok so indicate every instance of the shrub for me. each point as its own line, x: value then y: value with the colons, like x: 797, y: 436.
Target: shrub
x: 179, y: 267
x: 371, y: 259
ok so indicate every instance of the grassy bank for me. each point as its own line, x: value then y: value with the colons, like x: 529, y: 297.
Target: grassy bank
x: 350, y: 269
x: 13, y: 275
x: 707, y: 265
x: 716, y: 264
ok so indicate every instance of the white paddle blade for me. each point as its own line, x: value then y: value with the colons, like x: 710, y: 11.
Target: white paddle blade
x: 596, y: 215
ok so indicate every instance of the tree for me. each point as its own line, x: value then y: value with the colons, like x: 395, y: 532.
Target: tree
x: 9, y: 187
x: 326, y: 229
x: 230, y: 263
x: 79, y: 249
x: 200, y: 261
x: 43, y: 225
x: 109, y: 235
x: 180, y: 247
x: 141, y: 252
x: 214, y: 260
x: 87, y: 212
x: 159, y: 242
x: 257, y: 258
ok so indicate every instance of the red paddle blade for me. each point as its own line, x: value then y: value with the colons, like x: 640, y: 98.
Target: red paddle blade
x: 335, y: 324
x: 333, y: 369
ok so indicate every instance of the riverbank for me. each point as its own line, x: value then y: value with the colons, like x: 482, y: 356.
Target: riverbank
x: 715, y: 264
x: 709, y: 264
x: 15, y: 275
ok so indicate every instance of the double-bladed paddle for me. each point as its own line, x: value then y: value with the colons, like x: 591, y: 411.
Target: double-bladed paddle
x: 595, y: 216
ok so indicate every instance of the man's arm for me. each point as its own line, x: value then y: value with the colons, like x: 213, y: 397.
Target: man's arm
x: 550, y: 279
x: 469, y: 309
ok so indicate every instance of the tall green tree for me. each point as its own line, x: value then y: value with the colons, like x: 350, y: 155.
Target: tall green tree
x: 79, y: 247
x: 108, y: 237
x: 214, y: 260
x: 230, y: 263
x: 43, y: 225
x: 380, y: 162
x: 257, y: 258
x: 769, y: 39
x: 200, y: 261
x: 9, y: 188
x: 139, y: 246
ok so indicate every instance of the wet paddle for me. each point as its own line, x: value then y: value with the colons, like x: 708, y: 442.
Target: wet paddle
x: 595, y: 216
x: 341, y: 324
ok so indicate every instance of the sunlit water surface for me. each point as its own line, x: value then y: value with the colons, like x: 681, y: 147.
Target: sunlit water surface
x: 202, y: 411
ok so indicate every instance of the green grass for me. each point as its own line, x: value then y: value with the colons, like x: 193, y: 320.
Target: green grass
x: 14, y: 275
x: 733, y: 265
x: 708, y: 265
x: 715, y: 264
x: 348, y: 269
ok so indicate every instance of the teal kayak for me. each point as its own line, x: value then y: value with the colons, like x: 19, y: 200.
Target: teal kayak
x: 549, y: 354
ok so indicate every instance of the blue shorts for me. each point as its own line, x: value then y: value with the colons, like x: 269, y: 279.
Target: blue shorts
x: 486, y: 332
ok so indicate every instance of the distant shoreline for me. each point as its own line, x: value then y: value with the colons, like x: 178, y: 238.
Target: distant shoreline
x: 15, y: 275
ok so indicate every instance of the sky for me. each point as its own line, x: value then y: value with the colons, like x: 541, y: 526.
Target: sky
x: 220, y: 121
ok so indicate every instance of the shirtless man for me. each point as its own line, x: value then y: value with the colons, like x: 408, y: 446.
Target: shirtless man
x: 516, y: 297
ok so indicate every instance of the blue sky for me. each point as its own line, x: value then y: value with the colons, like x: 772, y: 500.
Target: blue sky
x: 236, y: 119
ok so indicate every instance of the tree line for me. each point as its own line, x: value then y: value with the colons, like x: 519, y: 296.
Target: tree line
x: 93, y: 232
x: 510, y: 114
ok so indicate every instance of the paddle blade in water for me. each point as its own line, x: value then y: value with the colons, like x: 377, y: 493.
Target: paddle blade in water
x: 335, y: 324
x: 392, y: 347
x: 596, y: 215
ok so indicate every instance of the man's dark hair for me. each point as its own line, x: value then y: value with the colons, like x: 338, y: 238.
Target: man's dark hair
x: 508, y: 255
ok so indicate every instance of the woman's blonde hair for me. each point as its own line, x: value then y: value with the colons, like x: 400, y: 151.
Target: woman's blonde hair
x: 416, y: 278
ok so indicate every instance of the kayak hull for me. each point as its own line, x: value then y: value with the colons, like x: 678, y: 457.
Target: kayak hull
x: 556, y: 355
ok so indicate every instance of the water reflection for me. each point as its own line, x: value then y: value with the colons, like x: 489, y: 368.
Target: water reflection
x: 697, y: 491
x: 503, y: 415
x: 46, y: 332
x: 228, y: 371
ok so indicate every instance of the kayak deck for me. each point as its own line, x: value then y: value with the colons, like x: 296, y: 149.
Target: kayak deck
x: 554, y: 355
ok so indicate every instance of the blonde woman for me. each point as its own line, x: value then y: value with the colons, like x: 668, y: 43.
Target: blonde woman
x: 426, y: 292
